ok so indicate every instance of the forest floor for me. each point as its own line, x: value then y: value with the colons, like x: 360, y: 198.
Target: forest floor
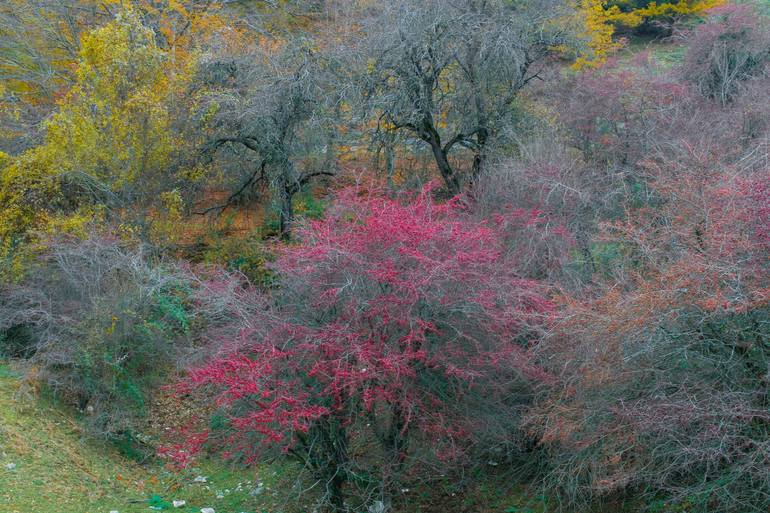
x: 49, y: 465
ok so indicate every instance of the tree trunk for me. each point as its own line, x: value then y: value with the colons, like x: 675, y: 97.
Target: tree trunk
x: 482, y: 135
x: 430, y: 135
x: 288, y: 188
x: 286, y: 210
x: 395, y: 447
x: 447, y: 173
x: 337, y: 458
x: 389, y: 168
x: 480, y: 158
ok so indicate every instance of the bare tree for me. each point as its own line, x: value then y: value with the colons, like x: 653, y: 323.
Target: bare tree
x: 279, y: 107
x: 448, y: 73
x: 100, y: 322
x: 729, y: 50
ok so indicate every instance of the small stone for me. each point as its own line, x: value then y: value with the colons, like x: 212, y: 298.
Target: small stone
x: 10, y: 466
x: 200, y: 479
x: 208, y: 510
x: 178, y: 504
x: 220, y: 496
x: 258, y: 490
x: 114, y: 511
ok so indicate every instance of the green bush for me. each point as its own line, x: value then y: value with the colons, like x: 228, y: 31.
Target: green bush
x: 248, y: 256
x: 101, y: 324
x: 305, y: 206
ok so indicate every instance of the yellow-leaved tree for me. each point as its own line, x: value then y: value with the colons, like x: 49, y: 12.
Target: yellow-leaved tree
x: 108, y: 148
x: 113, y: 126
x: 601, y: 18
x: 40, y: 45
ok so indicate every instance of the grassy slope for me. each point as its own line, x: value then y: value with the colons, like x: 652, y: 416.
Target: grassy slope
x: 58, y: 471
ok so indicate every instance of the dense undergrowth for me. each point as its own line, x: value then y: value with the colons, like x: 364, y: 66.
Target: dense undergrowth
x: 385, y: 257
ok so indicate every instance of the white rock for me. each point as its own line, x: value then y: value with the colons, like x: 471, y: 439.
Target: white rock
x: 258, y: 490
x: 114, y: 511
x: 200, y: 479
x: 10, y: 466
x: 208, y: 510
x: 178, y: 504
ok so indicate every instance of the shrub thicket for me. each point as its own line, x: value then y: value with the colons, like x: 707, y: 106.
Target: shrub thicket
x: 101, y: 323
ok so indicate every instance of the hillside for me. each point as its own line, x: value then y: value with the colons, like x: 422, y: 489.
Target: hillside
x: 49, y: 465
x: 402, y: 256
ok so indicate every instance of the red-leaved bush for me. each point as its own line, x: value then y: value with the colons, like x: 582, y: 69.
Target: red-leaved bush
x: 610, y: 113
x: 663, y: 389
x: 400, y: 336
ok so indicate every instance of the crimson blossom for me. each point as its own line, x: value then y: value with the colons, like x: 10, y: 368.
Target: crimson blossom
x: 400, y: 335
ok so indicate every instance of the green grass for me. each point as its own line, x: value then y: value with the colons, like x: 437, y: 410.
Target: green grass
x: 58, y: 470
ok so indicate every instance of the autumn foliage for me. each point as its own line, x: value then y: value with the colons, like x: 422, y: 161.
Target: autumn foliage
x: 399, y: 323
x: 603, y: 18
x: 563, y: 289
x: 663, y: 365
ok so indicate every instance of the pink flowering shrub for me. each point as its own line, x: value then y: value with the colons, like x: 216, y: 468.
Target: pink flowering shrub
x: 400, y: 336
